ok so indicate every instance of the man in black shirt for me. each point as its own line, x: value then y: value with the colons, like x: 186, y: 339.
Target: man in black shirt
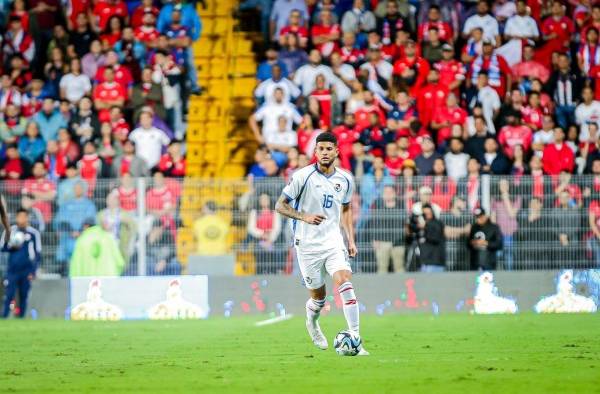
x: 432, y: 242
x: 457, y: 227
x: 485, y: 240
x: 82, y: 36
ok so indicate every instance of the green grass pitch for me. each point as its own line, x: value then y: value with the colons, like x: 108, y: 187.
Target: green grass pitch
x: 409, y: 354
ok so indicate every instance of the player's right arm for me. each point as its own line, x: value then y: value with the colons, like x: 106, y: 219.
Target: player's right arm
x: 284, y: 208
x: 293, y: 191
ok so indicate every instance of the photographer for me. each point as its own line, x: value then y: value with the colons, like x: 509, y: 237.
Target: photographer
x: 432, y: 242
x: 485, y: 240
x: 427, y: 242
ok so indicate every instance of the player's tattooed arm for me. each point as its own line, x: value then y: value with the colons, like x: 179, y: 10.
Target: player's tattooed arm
x: 284, y: 208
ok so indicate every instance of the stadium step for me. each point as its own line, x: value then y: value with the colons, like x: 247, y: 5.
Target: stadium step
x: 219, y: 143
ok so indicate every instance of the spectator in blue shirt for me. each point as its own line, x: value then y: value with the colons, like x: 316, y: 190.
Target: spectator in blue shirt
x: 130, y: 51
x: 372, y: 185
x: 49, y: 120
x: 265, y: 68
x: 191, y: 21
x: 69, y: 221
x: 32, y: 146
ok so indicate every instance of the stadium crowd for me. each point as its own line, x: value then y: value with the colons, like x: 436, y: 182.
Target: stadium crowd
x: 94, y: 90
x: 427, y: 96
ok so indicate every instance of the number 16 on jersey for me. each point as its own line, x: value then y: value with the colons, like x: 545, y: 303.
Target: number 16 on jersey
x: 327, y: 200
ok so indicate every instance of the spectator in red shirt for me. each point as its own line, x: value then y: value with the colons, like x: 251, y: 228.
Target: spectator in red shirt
x: 127, y: 192
x: 56, y: 164
x: 104, y: 9
x: 349, y: 52
x: 13, y: 169
x: 499, y: 73
x: 90, y: 166
x: 533, y: 114
x: 120, y: 127
x: 565, y: 183
x: 557, y: 30
x: 393, y: 160
x: 452, y: 72
x: 346, y: 134
x: 296, y: 27
x: 594, y: 21
x: 67, y: 147
x: 530, y: 68
x: 443, y: 188
x: 395, y: 50
x: 138, y: 13
x: 41, y: 189
x: 160, y: 201
x: 432, y: 98
x: 588, y: 55
x: 20, y: 10
x: 148, y: 33
x: 514, y: 133
x: 325, y: 98
x: 113, y: 32
x: 122, y: 75
x: 17, y: 41
x: 408, y: 146
x: 411, y: 70
x: 326, y: 34
x: 446, y: 117
x: 371, y: 106
x: 558, y: 156
x: 172, y: 163
x: 434, y: 20
x: 108, y: 94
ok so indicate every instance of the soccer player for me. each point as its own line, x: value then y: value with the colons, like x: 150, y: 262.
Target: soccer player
x: 23, y: 261
x: 318, y: 200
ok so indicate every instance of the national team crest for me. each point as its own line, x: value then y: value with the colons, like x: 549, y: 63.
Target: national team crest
x: 338, y: 187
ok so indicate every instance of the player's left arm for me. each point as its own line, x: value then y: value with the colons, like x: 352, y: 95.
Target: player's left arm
x: 348, y: 226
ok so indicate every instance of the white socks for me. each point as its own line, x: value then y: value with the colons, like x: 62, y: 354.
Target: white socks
x: 313, y: 308
x: 350, y: 305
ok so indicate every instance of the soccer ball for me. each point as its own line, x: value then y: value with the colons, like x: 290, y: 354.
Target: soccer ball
x: 347, y: 343
x: 16, y: 239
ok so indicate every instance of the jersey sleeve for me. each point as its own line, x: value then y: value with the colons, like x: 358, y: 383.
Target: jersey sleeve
x: 292, y: 190
x: 349, y: 190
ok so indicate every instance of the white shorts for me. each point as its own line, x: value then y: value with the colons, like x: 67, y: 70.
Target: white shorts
x: 315, y: 265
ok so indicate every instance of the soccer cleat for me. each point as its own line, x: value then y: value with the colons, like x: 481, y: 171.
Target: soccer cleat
x: 316, y: 334
x: 363, y: 352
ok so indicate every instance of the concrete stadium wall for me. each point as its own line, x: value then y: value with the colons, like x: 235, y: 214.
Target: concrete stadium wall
x: 378, y: 294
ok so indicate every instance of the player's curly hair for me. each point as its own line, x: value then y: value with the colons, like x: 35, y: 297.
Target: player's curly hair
x: 327, y: 137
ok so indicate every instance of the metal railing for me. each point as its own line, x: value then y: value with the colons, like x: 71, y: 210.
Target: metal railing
x: 545, y: 222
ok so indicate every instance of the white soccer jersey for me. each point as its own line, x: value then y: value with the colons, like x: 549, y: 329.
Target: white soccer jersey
x: 312, y: 192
